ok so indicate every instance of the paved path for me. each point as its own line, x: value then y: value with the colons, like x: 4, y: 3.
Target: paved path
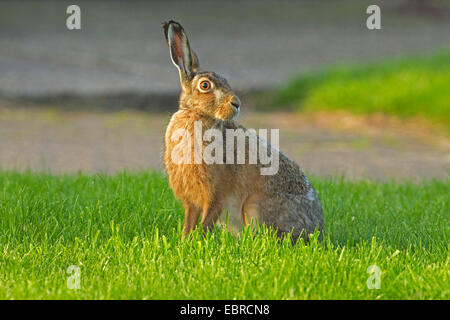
x: 256, y: 44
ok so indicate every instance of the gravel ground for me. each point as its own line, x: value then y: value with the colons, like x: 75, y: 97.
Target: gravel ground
x: 65, y: 141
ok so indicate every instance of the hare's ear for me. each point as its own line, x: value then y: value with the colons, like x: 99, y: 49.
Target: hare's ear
x: 182, y: 57
x: 195, y: 63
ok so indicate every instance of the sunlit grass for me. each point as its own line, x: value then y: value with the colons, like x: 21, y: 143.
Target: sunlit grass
x: 124, y: 232
x: 406, y: 87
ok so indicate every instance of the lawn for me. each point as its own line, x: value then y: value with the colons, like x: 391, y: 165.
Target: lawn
x: 416, y: 86
x: 123, y: 232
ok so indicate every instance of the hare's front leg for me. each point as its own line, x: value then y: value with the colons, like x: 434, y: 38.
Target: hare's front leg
x: 191, y: 215
x: 211, y: 213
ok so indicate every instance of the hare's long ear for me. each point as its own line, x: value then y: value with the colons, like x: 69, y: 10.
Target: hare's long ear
x: 195, y: 63
x: 182, y: 57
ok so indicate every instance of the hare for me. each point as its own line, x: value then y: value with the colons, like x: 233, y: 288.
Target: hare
x: 238, y: 193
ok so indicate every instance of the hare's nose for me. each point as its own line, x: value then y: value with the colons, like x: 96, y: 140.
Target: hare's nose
x: 235, y: 102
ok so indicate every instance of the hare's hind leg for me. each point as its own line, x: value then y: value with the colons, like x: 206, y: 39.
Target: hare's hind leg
x: 302, y: 215
x: 191, y: 215
x: 290, y: 213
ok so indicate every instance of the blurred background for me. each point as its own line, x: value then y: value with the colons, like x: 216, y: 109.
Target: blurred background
x: 347, y: 100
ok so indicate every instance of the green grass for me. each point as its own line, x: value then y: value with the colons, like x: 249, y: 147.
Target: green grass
x: 408, y: 87
x: 124, y: 231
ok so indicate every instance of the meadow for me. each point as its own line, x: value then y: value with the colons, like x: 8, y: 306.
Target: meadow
x: 412, y: 86
x: 123, y: 231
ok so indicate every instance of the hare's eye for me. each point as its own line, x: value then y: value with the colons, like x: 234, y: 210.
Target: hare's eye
x: 205, y: 85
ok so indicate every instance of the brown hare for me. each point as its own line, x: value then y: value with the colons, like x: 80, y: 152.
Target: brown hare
x: 238, y: 193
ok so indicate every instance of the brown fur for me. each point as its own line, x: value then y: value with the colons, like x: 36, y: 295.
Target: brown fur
x: 285, y: 201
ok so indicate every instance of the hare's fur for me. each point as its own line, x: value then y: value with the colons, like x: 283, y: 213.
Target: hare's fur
x: 285, y: 201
